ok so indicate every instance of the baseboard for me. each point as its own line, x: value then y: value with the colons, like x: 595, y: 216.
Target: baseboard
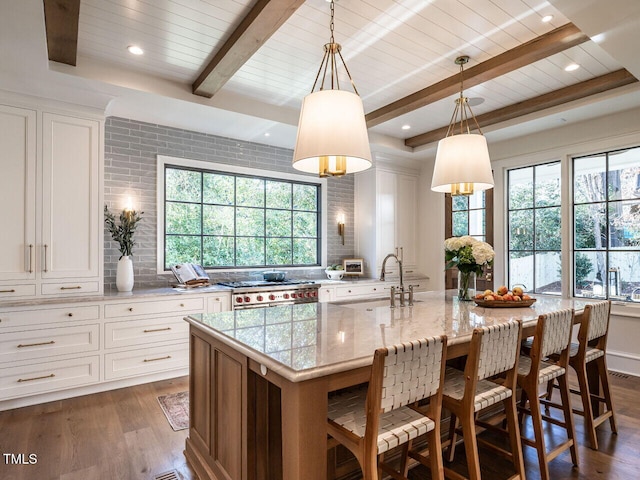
x: 623, y: 362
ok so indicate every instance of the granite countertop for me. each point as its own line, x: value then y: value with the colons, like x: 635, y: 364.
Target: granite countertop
x: 305, y: 341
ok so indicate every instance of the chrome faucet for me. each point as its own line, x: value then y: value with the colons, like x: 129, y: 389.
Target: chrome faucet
x: 383, y: 272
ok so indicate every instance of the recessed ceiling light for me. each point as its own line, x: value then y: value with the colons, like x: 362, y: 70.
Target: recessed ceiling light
x: 135, y: 50
x: 406, y: 127
x: 571, y: 67
x: 547, y: 18
x: 267, y: 134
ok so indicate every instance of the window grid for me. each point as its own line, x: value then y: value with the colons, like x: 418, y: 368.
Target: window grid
x: 264, y: 237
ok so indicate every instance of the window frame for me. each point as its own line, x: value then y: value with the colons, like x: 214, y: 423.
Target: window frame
x: 199, y: 165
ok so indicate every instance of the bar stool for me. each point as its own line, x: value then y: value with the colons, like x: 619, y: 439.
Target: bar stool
x: 592, y: 347
x: 552, y: 336
x: 493, y: 351
x: 371, y: 420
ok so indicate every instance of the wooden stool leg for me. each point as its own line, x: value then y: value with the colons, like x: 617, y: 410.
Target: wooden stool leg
x: 585, y: 394
x: 514, y: 435
x: 435, y: 454
x: 606, y: 392
x: 453, y: 437
x: 568, y: 417
x: 471, y: 446
x: 404, y: 463
x: 538, y: 433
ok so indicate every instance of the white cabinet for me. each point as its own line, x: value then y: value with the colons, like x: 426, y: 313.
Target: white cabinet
x: 18, y: 184
x: 71, y: 216
x: 218, y: 302
x: 52, y: 216
x: 45, y: 349
x: 387, y: 219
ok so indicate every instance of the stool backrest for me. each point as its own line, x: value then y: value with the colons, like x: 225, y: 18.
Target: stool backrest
x: 598, y: 315
x: 499, y: 345
x: 412, y: 371
x: 557, y: 331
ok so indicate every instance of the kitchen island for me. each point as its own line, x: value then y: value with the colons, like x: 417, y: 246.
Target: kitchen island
x: 260, y: 378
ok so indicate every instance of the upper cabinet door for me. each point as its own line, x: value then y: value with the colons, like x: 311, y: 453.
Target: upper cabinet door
x: 18, y: 184
x: 72, y: 217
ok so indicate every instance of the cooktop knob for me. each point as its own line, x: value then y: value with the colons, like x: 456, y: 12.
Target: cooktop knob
x: 238, y: 299
x: 272, y: 297
x: 247, y: 299
x: 259, y: 298
x: 286, y: 295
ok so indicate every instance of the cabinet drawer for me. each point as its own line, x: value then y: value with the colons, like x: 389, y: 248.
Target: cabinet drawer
x: 48, y: 376
x: 22, y: 318
x: 343, y: 292
x: 141, y: 332
x: 128, y: 309
x: 70, y: 288
x: 13, y: 291
x: 148, y: 360
x: 326, y: 294
x: 47, y: 342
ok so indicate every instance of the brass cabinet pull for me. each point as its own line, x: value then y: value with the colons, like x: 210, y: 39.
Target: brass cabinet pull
x: 35, y: 378
x: 30, y: 258
x: 8, y: 291
x: 182, y: 304
x: 156, y: 359
x: 157, y: 330
x: 77, y: 287
x: 69, y: 314
x: 45, y: 257
x: 36, y: 344
x: 131, y: 309
x: 409, y: 271
x: 374, y: 289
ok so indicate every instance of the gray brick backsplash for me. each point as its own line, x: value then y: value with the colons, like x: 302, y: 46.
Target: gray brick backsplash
x: 131, y: 148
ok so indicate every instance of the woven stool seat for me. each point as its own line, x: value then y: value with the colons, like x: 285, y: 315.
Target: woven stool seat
x: 548, y: 371
x: 487, y: 393
x: 347, y: 409
x: 590, y: 354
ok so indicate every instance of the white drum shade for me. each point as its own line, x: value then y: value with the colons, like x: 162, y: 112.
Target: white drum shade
x: 332, y: 125
x: 462, y: 159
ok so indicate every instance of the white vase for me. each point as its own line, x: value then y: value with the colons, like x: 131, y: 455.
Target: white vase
x: 124, y: 274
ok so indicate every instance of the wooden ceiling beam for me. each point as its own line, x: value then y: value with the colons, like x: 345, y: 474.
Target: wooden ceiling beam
x: 61, y: 23
x: 540, y: 47
x: 254, y: 30
x: 609, y: 81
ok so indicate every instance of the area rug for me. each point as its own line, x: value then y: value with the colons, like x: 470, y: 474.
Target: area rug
x: 176, y: 408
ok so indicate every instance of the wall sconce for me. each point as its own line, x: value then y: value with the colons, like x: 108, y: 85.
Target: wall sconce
x: 341, y: 226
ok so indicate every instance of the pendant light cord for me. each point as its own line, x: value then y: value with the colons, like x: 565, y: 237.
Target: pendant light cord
x: 329, y: 61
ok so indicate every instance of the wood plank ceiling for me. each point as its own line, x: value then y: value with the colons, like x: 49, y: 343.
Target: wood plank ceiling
x: 399, y: 52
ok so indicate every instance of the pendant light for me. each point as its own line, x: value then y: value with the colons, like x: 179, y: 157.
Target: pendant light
x: 462, y: 163
x: 332, y: 135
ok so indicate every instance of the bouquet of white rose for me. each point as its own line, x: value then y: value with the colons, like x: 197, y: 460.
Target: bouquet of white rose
x: 468, y: 254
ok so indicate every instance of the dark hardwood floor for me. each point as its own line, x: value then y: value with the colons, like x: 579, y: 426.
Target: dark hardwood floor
x: 123, y: 434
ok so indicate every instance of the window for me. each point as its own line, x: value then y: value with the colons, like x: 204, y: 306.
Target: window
x: 606, y: 219
x: 224, y: 219
x: 470, y: 215
x: 534, y: 235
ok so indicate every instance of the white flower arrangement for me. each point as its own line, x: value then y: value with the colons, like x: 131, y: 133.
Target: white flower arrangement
x: 468, y: 254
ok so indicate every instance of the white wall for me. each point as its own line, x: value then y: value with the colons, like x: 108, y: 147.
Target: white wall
x: 607, y: 132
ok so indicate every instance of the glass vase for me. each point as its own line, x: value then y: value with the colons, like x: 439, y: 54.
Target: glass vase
x: 466, y: 286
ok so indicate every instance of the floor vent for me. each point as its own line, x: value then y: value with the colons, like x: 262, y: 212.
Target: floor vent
x: 172, y: 475
x: 618, y: 374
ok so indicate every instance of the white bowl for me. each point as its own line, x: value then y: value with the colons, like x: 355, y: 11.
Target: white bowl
x: 334, y: 274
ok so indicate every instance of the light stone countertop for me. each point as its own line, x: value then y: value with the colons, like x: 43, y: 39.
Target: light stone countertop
x: 111, y: 296
x: 305, y: 341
